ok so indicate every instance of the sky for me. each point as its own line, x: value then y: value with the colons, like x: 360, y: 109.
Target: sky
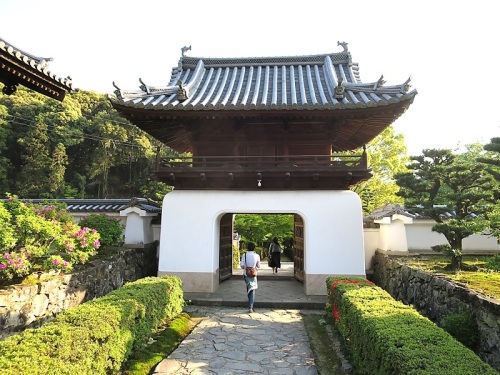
x: 448, y: 48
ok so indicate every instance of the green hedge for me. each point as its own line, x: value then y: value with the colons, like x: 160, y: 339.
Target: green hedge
x: 387, y: 337
x: 95, y: 337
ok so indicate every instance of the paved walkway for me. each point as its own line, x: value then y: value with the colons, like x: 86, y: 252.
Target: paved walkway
x: 279, y: 290
x: 232, y: 341
x: 229, y: 340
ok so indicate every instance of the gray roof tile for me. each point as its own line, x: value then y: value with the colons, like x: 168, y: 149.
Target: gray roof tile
x: 265, y: 83
x: 29, y: 61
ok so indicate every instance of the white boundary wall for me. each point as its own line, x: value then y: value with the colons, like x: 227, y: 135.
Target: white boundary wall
x: 189, y: 242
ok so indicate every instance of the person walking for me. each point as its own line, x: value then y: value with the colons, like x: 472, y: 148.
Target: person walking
x: 275, y: 251
x: 249, y: 260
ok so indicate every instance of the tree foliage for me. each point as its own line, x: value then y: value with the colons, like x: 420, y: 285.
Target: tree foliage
x: 78, y: 148
x: 453, y: 190
x: 260, y: 228
x: 492, y: 162
x: 386, y: 157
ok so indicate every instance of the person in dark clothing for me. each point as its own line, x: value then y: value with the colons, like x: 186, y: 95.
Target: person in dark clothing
x: 275, y: 251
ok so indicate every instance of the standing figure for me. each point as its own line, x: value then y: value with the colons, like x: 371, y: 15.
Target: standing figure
x: 275, y: 251
x: 250, y: 259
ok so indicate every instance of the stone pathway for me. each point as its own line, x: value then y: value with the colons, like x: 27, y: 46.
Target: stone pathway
x: 232, y: 341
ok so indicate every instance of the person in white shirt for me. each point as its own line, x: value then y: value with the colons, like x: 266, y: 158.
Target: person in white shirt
x: 250, y: 259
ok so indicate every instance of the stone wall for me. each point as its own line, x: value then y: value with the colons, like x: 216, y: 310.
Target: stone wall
x: 435, y: 297
x: 29, y: 306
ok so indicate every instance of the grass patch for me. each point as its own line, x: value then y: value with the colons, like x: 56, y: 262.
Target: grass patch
x: 328, y: 353
x: 474, y: 275
x: 161, y: 344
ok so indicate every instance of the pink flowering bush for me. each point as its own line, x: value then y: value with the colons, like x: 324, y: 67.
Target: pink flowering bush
x: 110, y: 229
x: 41, y: 237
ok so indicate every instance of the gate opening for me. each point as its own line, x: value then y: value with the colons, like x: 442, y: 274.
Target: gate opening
x: 236, y: 230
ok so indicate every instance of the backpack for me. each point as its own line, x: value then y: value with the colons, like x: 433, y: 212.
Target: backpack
x: 250, y: 271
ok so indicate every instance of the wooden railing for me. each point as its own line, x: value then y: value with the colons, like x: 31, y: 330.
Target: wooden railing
x: 223, y: 163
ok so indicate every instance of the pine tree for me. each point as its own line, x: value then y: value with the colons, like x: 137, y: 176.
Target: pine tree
x: 32, y: 180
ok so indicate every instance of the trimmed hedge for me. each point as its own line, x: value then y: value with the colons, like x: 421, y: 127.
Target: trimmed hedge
x: 98, y: 336
x: 387, y: 337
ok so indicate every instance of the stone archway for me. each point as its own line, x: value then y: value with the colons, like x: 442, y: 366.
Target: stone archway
x: 190, y: 234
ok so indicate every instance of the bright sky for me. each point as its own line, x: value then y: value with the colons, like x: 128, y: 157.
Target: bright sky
x: 449, y: 48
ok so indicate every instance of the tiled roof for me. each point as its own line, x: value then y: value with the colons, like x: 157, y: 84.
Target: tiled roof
x: 416, y: 212
x: 20, y: 67
x: 326, y: 82
x: 104, y: 205
x: 387, y: 211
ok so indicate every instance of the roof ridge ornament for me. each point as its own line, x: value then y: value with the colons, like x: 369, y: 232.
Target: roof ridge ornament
x: 185, y: 49
x: 181, y: 92
x: 344, y: 45
x: 379, y: 83
x: 144, y: 87
x: 340, y: 89
x: 118, y: 91
x: 406, y: 86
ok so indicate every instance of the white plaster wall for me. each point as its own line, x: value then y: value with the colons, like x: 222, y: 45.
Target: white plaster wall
x: 480, y: 242
x: 333, y: 227
x: 421, y: 237
x: 371, y: 237
x: 396, y: 236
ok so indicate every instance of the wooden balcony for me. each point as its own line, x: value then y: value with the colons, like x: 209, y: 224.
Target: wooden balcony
x: 292, y: 172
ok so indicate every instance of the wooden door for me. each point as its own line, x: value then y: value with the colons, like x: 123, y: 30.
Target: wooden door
x: 226, y: 247
x: 298, y: 243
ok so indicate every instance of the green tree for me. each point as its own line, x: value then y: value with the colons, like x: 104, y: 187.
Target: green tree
x: 56, y: 172
x: 386, y: 157
x: 492, y: 160
x: 492, y: 163
x: 5, y: 163
x: 259, y: 228
x: 32, y: 180
x: 440, y: 183
x: 107, y: 156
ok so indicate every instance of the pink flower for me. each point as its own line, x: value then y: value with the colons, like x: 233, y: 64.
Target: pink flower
x: 6, y: 255
x: 97, y: 243
x: 2, y: 266
x: 83, y: 243
x: 65, y: 264
x: 55, y: 262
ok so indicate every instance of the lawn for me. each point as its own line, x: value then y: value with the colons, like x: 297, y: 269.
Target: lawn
x: 473, y: 275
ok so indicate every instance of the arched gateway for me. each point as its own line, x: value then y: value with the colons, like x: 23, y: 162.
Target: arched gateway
x: 266, y: 135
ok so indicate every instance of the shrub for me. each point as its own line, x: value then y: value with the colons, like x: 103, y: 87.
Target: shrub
x: 385, y: 336
x: 463, y: 327
x: 96, y: 337
x: 41, y: 237
x: 109, y: 228
x: 236, y: 257
x: 493, y: 263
